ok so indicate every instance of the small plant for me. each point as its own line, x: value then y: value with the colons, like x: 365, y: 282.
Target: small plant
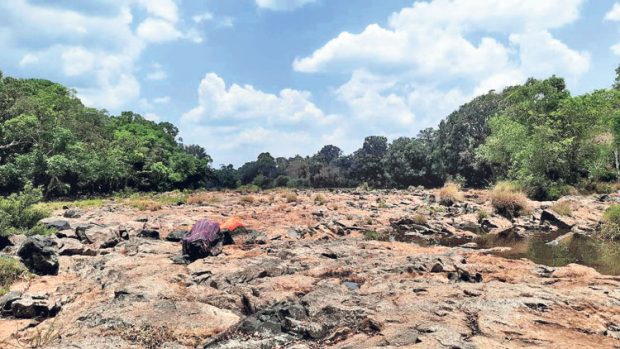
x: 247, y: 199
x: 291, y: 197
x: 319, y: 199
x: 248, y: 189
x: 610, y: 228
x: 144, y: 204
x: 10, y: 271
x: 482, y: 214
x: 18, y: 213
x: 450, y: 194
x: 419, y: 219
x: 363, y: 187
x: 563, y: 208
x: 372, y: 235
x: 508, y: 200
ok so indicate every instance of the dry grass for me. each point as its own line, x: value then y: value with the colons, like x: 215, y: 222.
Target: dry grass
x: 419, y: 219
x: 247, y: 199
x: 319, y: 199
x: 563, y: 208
x: 203, y: 198
x: 144, y: 204
x: 508, y: 200
x: 40, y: 337
x: 10, y: 271
x: 449, y: 194
x: 291, y: 197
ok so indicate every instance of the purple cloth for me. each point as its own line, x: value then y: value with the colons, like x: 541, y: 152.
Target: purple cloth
x: 204, y: 236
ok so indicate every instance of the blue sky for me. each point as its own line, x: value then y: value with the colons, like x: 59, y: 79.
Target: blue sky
x: 287, y: 76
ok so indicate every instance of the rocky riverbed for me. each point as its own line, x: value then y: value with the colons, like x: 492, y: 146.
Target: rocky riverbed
x: 346, y: 270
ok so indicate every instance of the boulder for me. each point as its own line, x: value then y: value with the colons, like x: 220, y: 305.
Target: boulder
x: 59, y: 225
x: 177, y: 235
x: 6, y: 302
x: 101, y: 237
x: 72, y: 213
x: 35, y: 306
x: 556, y: 219
x: 496, y: 225
x: 71, y: 247
x: 149, y: 234
x: 40, y: 255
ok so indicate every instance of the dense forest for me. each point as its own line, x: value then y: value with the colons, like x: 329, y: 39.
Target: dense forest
x: 535, y: 134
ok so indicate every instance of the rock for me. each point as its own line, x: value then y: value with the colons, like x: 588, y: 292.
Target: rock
x: 351, y: 285
x: 472, y: 245
x: 177, y: 235
x: 40, y: 255
x: 293, y: 234
x: 30, y: 307
x: 142, y: 219
x: 149, y: 234
x: 7, y: 300
x: 101, y: 237
x: 72, y: 247
x: 437, y: 268
x: 72, y: 213
x: 556, y: 219
x: 59, y: 225
x: 496, y: 225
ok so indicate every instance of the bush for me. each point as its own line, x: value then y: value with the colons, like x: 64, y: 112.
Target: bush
x: 508, y: 200
x: 18, y: 213
x: 247, y: 199
x: 563, y: 208
x: 291, y: 197
x: 10, y: 271
x: 319, y: 199
x: 248, y: 189
x: 482, y: 214
x: 611, y: 223
x: 281, y: 181
x: 419, y: 219
x: 450, y: 194
x: 372, y: 235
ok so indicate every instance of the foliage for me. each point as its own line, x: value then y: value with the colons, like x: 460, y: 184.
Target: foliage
x: 10, y: 271
x: 611, y: 223
x: 18, y: 213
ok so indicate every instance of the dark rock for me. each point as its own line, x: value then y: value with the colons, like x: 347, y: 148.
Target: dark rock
x: 40, y: 255
x: 555, y: 219
x: 149, y: 234
x: 179, y: 259
x: 437, y: 268
x: 72, y: 247
x: 177, y: 235
x: 142, y: 219
x: 34, y: 307
x: 58, y: 225
x: 7, y: 300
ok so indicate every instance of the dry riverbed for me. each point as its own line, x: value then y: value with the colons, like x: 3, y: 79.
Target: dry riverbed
x: 338, y: 269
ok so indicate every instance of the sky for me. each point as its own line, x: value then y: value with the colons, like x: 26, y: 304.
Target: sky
x: 240, y: 77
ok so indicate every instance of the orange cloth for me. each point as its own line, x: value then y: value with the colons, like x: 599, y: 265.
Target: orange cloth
x: 231, y: 224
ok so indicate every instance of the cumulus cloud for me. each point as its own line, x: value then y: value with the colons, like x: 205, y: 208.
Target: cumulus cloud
x: 282, y: 5
x: 96, y: 53
x: 423, y: 63
x: 614, y: 13
x: 157, y: 73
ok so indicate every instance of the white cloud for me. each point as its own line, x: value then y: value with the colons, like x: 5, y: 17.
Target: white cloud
x: 77, y: 60
x: 158, y: 30
x: 28, y: 59
x: 97, y: 54
x: 157, y: 73
x: 152, y: 117
x: 282, y: 5
x: 423, y: 64
x: 217, y: 102
x: 614, y: 13
x: 161, y: 100
x: 206, y: 16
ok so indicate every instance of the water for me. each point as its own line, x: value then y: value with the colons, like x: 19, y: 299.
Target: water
x: 604, y: 256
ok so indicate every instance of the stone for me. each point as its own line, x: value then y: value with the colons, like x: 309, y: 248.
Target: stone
x: 34, y: 307
x: 7, y: 300
x: 556, y: 219
x: 101, y: 237
x: 72, y: 213
x: 59, y: 225
x: 40, y: 255
x: 72, y: 247
x: 149, y: 234
x: 177, y: 235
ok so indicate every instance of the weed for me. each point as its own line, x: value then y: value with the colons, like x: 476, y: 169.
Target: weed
x: 450, y: 194
x: 10, y: 271
x: 291, y: 197
x: 508, y: 200
x: 372, y: 235
x: 419, y: 219
x: 319, y: 199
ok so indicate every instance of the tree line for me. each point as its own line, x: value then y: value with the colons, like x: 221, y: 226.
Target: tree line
x: 535, y: 134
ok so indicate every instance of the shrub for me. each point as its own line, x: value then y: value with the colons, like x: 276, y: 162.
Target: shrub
x: 611, y: 223
x: 450, y: 194
x: 372, y: 235
x: 363, y: 187
x: 10, y: 271
x: 563, y: 208
x: 247, y: 199
x: 419, y: 219
x: 319, y: 199
x: 291, y: 197
x: 508, y: 200
x: 18, y: 212
x: 203, y: 198
x: 281, y: 181
x: 248, y: 189
x: 482, y: 214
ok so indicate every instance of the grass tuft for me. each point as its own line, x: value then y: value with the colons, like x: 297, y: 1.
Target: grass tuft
x: 450, y: 194
x: 508, y: 200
